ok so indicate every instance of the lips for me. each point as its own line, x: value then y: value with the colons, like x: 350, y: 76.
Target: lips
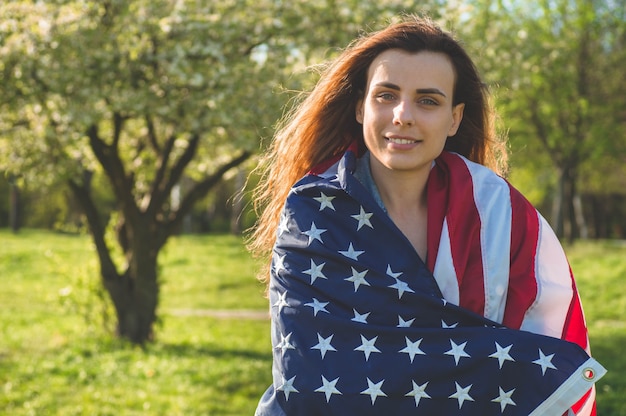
x: 401, y: 140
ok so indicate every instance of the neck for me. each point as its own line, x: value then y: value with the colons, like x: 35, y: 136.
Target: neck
x: 404, y: 196
x: 400, y: 191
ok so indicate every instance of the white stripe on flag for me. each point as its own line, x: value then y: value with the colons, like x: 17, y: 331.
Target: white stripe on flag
x: 572, y: 389
x: 554, y: 286
x: 444, y: 272
x: 492, y: 198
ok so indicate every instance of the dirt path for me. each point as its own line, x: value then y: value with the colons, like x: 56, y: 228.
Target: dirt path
x: 221, y: 313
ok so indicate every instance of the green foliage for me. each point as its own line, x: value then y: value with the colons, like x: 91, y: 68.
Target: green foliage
x: 222, y: 70
x: 73, y: 64
x: 54, y: 362
x: 211, y: 68
x: 556, y: 68
x: 225, y: 69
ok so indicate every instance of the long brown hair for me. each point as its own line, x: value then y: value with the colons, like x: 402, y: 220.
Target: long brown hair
x: 324, y: 124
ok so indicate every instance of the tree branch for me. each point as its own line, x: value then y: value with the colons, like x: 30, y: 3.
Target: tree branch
x: 114, y: 168
x: 165, y: 188
x: 118, y: 125
x: 82, y: 194
x: 157, y: 184
x: 152, y: 137
x: 198, y: 192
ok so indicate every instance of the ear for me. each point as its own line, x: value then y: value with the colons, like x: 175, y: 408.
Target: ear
x: 457, y: 117
x: 359, y: 111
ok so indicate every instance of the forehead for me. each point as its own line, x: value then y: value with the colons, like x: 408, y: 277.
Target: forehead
x: 423, y: 69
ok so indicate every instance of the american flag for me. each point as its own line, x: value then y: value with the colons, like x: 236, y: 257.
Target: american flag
x: 360, y: 325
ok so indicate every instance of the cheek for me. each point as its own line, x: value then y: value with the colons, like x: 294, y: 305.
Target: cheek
x: 375, y: 115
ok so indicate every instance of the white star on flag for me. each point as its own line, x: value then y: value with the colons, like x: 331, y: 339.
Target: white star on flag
x: 279, y: 263
x: 282, y: 226
x: 418, y: 392
x: 315, y: 271
x: 502, y: 354
x: 367, y: 346
x: 317, y: 306
x: 412, y: 348
x: 444, y: 325
x: 404, y: 324
x: 328, y: 388
x: 315, y: 233
x: 504, y: 399
x: 462, y: 394
x: 287, y: 387
x: 358, y: 278
x: 374, y: 390
x: 401, y: 287
x: 325, y: 201
x: 281, y: 302
x: 324, y: 345
x: 285, y: 343
x: 361, y: 318
x: 363, y: 218
x: 457, y: 351
x: 391, y: 273
x: 351, y: 253
x: 545, y: 361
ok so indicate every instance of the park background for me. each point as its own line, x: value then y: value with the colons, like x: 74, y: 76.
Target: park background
x: 128, y: 130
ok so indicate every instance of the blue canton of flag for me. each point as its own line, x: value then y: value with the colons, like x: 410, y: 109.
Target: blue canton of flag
x: 359, y: 326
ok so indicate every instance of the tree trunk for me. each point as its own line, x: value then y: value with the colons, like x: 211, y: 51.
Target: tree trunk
x: 136, y: 302
x: 134, y: 292
x: 135, y: 299
x: 142, y: 230
x: 567, y: 216
x: 238, y: 204
x: 581, y: 223
x: 15, y: 206
x: 557, y: 206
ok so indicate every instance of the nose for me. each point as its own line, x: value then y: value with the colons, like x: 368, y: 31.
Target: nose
x: 403, y: 114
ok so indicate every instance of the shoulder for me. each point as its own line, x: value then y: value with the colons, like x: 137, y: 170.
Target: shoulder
x: 458, y: 165
x: 484, y: 182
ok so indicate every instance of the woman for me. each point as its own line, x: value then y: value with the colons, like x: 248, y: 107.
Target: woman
x: 406, y: 275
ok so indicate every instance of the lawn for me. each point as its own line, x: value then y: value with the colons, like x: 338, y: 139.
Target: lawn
x: 56, y: 359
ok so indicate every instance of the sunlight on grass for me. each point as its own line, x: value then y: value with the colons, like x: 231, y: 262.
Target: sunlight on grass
x: 600, y: 270
x: 56, y: 360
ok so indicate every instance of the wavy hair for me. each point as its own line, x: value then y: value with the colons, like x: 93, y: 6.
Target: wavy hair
x: 323, y: 125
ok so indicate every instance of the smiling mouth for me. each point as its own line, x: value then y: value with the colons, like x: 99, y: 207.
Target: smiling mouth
x: 398, y: 140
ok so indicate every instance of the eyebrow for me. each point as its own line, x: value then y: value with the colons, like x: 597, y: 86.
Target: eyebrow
x: 392, y: 86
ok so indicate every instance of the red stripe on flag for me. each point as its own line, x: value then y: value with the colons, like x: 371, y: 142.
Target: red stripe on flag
x: 464, y: 227
x: 522, y: 278
x: 575, y: 329
x: 437, y: 200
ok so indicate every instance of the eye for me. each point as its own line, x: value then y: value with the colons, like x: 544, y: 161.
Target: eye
x: 385, y: 96
x: 428, y: 101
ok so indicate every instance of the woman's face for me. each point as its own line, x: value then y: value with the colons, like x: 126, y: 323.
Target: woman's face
x: 406, y: 111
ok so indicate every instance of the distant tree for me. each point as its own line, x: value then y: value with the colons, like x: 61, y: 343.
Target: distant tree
x: 14, y: 205
x: 143, y: 91
x: 146, y: 92
x: 557, y: 68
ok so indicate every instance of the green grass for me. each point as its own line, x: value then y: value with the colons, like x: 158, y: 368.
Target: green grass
x: 55, y: 359
x: 600, y: 270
